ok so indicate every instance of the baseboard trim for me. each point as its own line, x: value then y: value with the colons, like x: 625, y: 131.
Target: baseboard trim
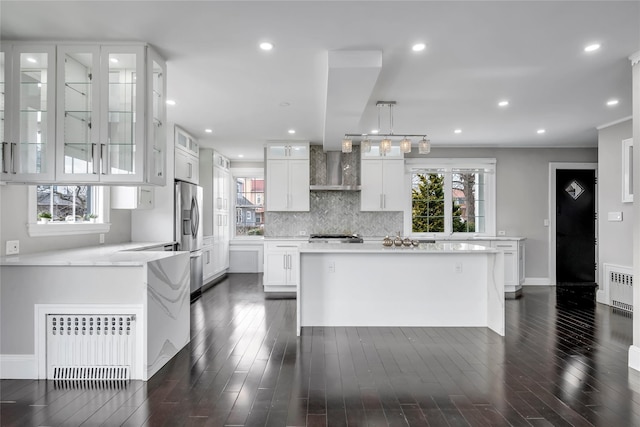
x: 18, y: 367
x: 537, y: 281
x: 634, y: 357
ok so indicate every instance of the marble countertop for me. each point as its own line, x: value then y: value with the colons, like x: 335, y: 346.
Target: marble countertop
x: 123, y: 255
x: 370, y: 247
x: 437, y: 239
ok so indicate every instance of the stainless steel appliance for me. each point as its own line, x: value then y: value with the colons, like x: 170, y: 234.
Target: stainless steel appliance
x: 335, y: 238
x: 188, y: 230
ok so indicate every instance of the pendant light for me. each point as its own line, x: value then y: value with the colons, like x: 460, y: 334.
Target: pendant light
x: 387, y: 138
x: 424, y: 146
x: 365, y: 145
x: 405, y: 145
x: 347, y: 145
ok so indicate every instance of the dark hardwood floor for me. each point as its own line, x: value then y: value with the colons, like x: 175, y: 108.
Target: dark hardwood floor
x: 245, y: 366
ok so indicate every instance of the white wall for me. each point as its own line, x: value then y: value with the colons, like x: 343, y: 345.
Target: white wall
x: 615, y: 239
x: 13, y: 225
x: 522, y: 188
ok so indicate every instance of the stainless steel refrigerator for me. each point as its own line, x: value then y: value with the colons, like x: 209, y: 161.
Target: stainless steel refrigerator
x: 188, y: 229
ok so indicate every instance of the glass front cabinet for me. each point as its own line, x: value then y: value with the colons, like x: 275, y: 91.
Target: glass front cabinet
x: 27, y: 110
x: 109, y: 116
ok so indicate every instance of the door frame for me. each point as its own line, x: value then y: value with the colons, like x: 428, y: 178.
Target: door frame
x: 553, y: 167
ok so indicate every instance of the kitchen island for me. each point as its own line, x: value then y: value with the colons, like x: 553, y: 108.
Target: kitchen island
x: 431, y: 285
x: 115, y: 305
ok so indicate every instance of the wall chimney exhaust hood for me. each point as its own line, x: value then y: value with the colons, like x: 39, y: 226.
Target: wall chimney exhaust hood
x: 334, y: 175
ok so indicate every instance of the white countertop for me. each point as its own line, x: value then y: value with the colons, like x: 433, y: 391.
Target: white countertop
x: 370, y: 247
x: 123, y: 255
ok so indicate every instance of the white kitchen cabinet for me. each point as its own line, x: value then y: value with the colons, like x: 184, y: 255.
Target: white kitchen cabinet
x: 187, y: 162
x: 186, y: 167
x: 27, y: 112
x: 102, y: 122
x: 222, y: 211
x: 208, y: 254
x: 281, y: 266
x: 513, y: 251
x: 382, y: 183
x: 288, y: 150
x: 123, y: 197
x: 287, y: 177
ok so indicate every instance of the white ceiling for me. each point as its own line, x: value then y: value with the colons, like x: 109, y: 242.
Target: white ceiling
x: 477, y: 54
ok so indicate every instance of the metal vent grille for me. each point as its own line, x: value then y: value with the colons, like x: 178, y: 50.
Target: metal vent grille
x: 620, y: 282
x: 90, y: 347
x: 91, y: 373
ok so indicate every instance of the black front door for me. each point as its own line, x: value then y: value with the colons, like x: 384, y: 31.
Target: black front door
x: 575, y: 226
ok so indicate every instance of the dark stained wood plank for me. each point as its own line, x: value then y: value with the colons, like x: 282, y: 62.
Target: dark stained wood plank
x: 556, y: 366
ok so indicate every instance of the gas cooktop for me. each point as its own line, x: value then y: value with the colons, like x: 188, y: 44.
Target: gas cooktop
x: 335, y: 238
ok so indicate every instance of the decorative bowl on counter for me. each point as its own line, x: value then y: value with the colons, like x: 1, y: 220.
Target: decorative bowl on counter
x: 387, y: 241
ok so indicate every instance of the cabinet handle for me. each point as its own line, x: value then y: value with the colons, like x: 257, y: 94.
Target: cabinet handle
x: 13, y: 157
x: 381, y: 202
x: 93, y: 158
x: 103, y: 159
x: 384, y: 201
x: 503, y: 246
x: 190, y: 170
x: 4, y: 158
x: 284, y: 262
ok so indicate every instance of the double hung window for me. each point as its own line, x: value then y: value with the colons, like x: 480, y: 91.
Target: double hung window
x: 451, y: 196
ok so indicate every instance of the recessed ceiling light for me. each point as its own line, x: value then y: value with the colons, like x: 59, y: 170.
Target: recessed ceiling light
x: 457, y: 131
x: 418, y: 47
x: 592, y: 47
x: 32, y: 60
x: 291, y: 131
x: 114, y: 60
x: 170, y: 102
x: 208, y: 130
x: 503, y: 103
x: 266, y: 45
x: 612, y: 102
x: 241, y: 155
x: 374, y: 131
x: 540, y: 131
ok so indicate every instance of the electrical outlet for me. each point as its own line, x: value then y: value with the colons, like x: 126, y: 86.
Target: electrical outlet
x: 502, y: 233
x: 458, y: 267
x: 332, y: 267
x: 302, y: 233
x: 13, y: 247
x: 101, y: 238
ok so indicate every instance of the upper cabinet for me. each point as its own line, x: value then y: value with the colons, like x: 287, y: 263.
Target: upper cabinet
x: 187, y: 162
x: 27, y: 103
x: 288, y: 150
x: 109, y: 110
x: 287, y: 177
x: 382, y: 182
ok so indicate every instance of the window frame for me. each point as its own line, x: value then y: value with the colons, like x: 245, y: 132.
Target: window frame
x: 245, y: 172
x: 61, y: 228
x: 447, y: 165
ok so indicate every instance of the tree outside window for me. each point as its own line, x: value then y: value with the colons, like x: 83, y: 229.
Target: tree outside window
x: 249, y: 206
x: 65, y: 202
x: 466, y: 211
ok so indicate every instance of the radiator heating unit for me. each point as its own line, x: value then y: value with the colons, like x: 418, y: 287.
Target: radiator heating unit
x: 90, y: 347
x: 620, y: 282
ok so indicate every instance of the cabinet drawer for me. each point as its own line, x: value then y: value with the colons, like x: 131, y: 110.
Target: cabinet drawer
x: 282, y: 245
x: 505, y: 245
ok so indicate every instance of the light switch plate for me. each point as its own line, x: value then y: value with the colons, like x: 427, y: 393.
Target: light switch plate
x: 614, y: 216
x: 13, y: 247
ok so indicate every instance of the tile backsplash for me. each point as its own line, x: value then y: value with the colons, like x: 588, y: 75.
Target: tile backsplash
x: 333, y: 211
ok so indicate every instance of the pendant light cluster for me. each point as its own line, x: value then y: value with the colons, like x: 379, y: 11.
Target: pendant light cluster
x: 424, y: 145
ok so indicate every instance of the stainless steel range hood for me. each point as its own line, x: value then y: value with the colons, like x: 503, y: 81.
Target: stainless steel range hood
x: 334, y: 175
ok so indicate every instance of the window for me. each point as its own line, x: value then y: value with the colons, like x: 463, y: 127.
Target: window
x: 66, y: 202
x: 249, y: 206
x: 73, y: 209
x: 452, y: 197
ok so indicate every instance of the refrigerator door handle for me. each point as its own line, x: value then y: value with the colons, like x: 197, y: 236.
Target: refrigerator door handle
x: 195, y: 217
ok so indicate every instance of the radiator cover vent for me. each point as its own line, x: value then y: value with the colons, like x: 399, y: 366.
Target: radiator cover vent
x: 90, y: 346
x: 620, y: 282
